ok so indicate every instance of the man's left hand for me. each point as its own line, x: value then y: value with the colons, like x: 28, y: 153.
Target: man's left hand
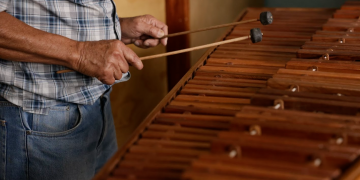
x: 142, y: 30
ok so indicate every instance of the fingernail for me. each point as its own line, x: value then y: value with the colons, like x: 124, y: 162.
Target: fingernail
x: 161, y: 34
x: 137, y: 43
x: 147, y: 44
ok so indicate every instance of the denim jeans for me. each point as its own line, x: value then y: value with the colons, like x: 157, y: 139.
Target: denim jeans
x: 72, y: 142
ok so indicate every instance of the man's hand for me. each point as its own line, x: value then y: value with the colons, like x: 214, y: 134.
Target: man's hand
x: 141, y: 30
x: 106, y: 60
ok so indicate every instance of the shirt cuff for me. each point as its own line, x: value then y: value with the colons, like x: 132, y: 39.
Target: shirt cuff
x: 125, y: 77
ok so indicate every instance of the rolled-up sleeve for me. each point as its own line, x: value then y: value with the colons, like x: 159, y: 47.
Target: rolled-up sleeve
x: 4, y: 4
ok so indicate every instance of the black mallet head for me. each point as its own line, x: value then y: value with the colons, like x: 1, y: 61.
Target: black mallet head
x: 256, y: 35
x: 266, y: 18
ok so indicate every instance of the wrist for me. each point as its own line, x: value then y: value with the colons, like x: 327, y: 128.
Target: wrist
x: 74, y: 58
x: 122, y: 26
x: 126, y: 28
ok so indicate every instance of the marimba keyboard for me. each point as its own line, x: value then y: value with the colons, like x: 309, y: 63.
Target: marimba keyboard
x: 283, y: 109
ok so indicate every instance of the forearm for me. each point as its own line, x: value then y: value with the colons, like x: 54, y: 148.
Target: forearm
x: 13, y: 55
x: 21, y: 42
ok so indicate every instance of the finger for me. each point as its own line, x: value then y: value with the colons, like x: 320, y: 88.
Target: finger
x: 151, y: 42
x: 118, y: 68
x: 117, y: 74
x: 132, y: 58
x: 145, y: 37
x: 127, y: 41
x: 152, y: 31
x: 108, y: 79
x: 151, y: 26
x: 165, y: 29
x: 162, y: 26
x: 123, y: 65
x: 140, y: 44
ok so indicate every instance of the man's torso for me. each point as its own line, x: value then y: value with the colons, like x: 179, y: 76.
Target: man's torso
x: 35, y: 86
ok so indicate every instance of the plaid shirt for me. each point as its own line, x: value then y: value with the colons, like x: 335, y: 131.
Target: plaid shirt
x: 37, y: 87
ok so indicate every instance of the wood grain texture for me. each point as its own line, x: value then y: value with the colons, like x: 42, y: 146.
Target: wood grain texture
x: 178, y: 20
x: 300, y: 123
x: 106, y: 170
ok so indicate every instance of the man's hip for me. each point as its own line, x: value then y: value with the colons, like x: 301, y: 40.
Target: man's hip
x: 72, y: 142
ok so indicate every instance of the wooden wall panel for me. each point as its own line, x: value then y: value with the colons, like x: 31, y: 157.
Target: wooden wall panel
x: 177, y: 18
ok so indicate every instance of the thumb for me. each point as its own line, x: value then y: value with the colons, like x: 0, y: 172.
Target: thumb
x: 151, y: 30
x: 131, y: 57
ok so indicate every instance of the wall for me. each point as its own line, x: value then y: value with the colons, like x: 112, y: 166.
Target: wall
x: 132, y: 101
x: 204, y: 13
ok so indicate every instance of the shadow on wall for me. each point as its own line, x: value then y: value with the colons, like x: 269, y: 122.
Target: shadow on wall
x: 305, y: 3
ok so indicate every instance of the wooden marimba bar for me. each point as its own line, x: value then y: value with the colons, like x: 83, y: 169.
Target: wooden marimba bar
x: 283, y: 109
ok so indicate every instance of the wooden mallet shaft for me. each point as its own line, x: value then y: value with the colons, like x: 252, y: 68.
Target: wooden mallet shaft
x: 265, y: 19
x: 209, y: 28
x: 181, y: 51
x: 194, y: 48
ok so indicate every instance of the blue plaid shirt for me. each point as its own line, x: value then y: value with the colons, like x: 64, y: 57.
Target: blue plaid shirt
x: 37, y: 87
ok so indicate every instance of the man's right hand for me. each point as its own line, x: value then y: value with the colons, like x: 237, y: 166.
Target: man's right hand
x: 106, y: 60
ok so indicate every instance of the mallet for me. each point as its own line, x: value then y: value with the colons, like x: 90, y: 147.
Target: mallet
x: 255, y: 36
x: 265, y: 19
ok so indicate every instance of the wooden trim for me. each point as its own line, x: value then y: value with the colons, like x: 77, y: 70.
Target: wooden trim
x: 292, y: 9
x: 111, y: 164
x: 353, y: 173
x: 177, y: 19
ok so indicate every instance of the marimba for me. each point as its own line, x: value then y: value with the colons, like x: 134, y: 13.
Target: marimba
x: 283, y: 109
